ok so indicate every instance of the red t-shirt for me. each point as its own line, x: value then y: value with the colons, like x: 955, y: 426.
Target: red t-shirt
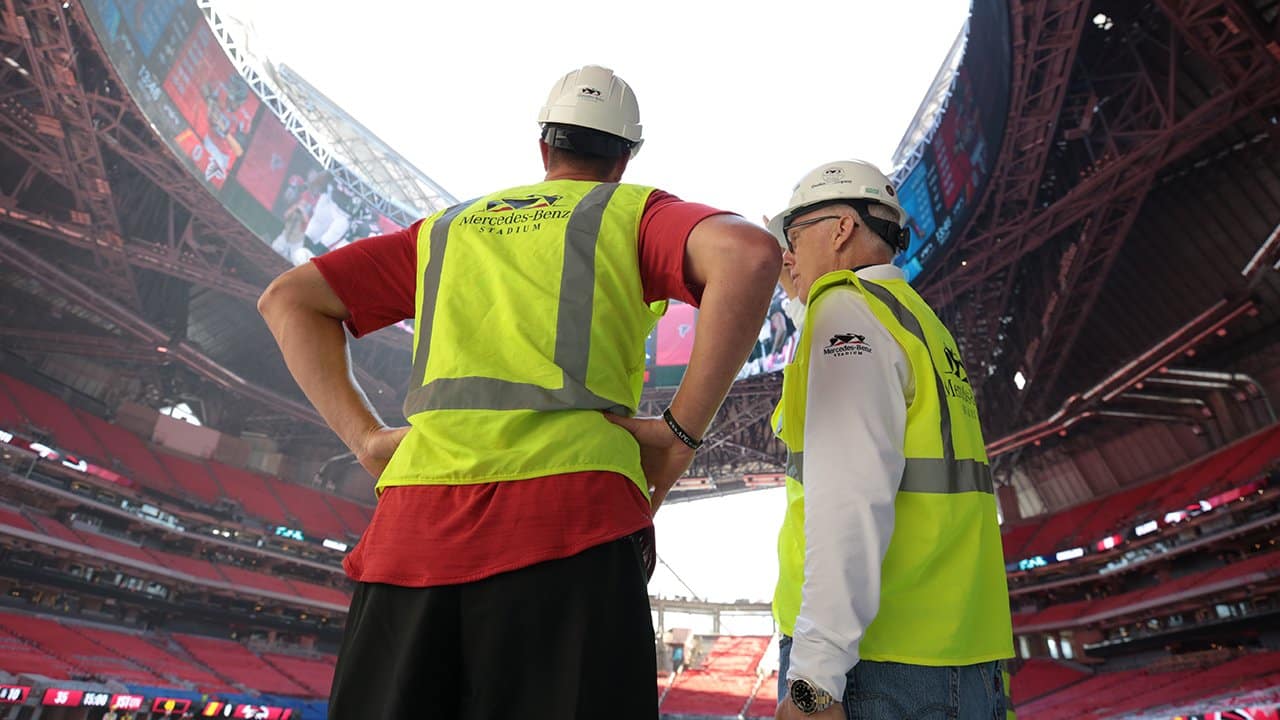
x: 424, y: 535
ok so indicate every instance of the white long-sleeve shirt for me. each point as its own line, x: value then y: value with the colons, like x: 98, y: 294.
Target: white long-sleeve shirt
x: 854, y: 433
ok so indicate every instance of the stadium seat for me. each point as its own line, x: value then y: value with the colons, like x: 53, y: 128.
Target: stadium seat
x: 11, y: 418
x: 240, y: 665
x: 1038, y: 677
x: 54, y: 415
x: 119, y: 548
x: 765, y: 703
x: 138, y: 462
x: 51, y: 527
x: 698, y: 692
x: 1061, y: 615
x: 723, y: 683
x: 1087, y: 523
x: 307, y: 505
x: 1116, y: 694
x: 22, y: 654
x: 316, y: 675
x: 194, y: 567
x: 191, y: 478
x: 250, y: 491
x: 14, y: 518
x: 320, y: 593
x: 356, y: 517
x: 246, y: 580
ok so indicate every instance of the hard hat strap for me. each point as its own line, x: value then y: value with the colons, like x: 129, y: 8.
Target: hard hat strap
x: 890, y: 232
x: 585, y: 141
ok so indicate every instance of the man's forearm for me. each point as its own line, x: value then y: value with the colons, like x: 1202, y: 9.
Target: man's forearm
x: 736, y: 296
x: 315, y: 349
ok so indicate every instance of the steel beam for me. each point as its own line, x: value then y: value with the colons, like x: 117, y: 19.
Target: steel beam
x: 51, y: 55
x: 1083, y: 280
x: 1226, y: 34
x: 94, y: 346
x: 996, y: 249
x: 62, y: 283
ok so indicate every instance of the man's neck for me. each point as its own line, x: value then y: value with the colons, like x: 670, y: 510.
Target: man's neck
x: 866, y: 261
x: 572, y: 175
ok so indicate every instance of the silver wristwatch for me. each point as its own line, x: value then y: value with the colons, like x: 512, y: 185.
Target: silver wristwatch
x: 810, y: 698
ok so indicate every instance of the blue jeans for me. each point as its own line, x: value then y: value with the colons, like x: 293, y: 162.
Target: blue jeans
x: 894, y: 691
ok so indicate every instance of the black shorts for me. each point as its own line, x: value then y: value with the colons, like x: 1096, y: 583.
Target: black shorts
x: 568, y: 639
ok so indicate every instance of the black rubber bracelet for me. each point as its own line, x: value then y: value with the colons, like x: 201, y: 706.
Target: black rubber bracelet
x: 680, y: 432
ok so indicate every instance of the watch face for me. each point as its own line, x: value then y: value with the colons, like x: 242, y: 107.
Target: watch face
x: 803, y: 696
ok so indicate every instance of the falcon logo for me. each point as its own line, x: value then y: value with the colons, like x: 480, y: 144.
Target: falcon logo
x: 954, y: 365
x: 589, y: 91
x: 846, y: 338
x: 844, y: 344
x: 527, y: 202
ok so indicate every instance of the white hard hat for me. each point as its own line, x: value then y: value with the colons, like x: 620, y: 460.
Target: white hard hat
x: 856, y: 181
x: 593, y: 97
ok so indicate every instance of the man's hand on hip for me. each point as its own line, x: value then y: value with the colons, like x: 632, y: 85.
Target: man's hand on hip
x: 787, y: 710
x: 662, y: 455
x: 378, y: 446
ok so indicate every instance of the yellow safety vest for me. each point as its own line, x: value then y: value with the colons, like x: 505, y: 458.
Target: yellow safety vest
x: 943, y: 595
x: 530, y: 322
x: 786, y: 594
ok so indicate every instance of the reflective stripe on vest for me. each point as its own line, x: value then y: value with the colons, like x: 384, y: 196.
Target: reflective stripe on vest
x: 912, y: 325
x: 573, y: 328
x: 795, y: 466
x: 924, y: 475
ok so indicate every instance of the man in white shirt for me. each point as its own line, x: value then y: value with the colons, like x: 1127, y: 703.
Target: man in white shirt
x: 879, y: 419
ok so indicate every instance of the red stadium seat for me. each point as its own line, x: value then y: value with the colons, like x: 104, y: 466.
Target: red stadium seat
x: 16, y: 519
x: 140, y: 464
x: 724, y: 682
x: 251, y: 492
x: 247, y: 580
x: 240, y: 665
x: 191, y: 478
x: 316, y: 675
x: 55, y: 416
x: 191, y: 566
x: 11, y: 417
x: 765, y: 703
x: 1087, y: 523
x: 321, y: 593
x: 307, y: 505
x: 55, y: 529
x: 1038, y: 677
x: 356, y: 517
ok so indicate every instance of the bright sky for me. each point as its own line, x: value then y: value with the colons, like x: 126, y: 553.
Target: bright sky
x: 738, y: 100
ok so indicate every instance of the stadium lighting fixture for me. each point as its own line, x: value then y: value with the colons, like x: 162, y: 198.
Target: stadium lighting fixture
x: 1102, y: 21
x: 1146, y: 528
x: 1019, y: 380
x: 162, y: 349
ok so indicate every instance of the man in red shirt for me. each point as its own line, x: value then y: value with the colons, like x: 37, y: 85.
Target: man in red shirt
x: 490, y: 595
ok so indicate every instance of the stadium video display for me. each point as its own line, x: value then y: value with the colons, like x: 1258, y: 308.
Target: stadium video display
x: 941, y: 191
x: 174, y: 68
